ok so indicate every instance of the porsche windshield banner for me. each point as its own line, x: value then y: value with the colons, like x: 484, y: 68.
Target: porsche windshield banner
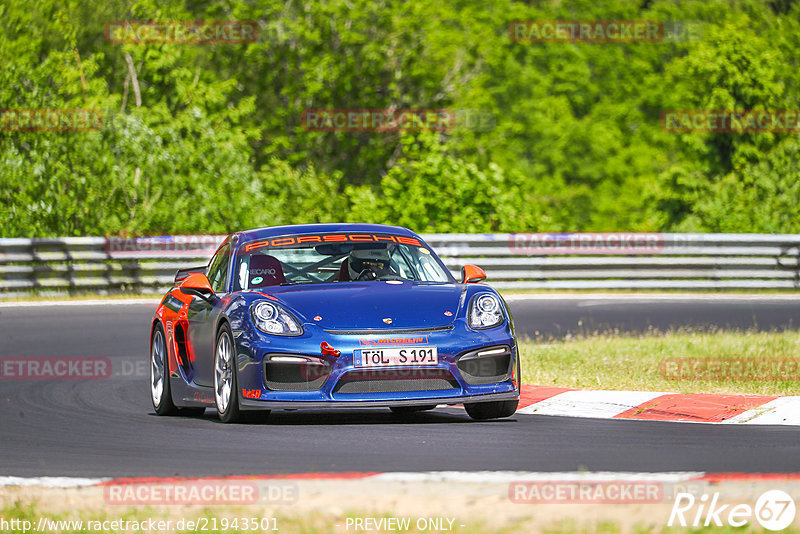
x: 295, y: 240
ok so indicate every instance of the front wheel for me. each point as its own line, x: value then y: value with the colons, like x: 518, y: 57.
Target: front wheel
x: 491, y: 410
x: 225, y: 383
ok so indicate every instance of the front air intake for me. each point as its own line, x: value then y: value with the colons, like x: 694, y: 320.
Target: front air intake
x: 290, y: 372
x: 486, y: 366
x: 395, y: 381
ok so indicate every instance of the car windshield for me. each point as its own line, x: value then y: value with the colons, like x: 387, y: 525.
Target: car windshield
x: 313, y: 259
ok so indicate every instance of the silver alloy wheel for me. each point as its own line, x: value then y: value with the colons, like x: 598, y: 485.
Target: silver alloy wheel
x: 157, y: 374
x: 223, y: 372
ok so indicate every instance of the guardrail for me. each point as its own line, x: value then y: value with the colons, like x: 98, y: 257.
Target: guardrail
x: 512, y: 261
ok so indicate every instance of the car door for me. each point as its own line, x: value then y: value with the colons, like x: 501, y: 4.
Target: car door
x: 202, y: 317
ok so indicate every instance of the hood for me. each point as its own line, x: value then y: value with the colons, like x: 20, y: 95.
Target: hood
x: 365, y: 305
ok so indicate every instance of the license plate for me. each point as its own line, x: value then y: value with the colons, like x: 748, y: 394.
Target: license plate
x: 395, y: 356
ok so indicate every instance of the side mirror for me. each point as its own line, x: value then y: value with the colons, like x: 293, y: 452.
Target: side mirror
x: 197, y: 284
x: 471, y: 274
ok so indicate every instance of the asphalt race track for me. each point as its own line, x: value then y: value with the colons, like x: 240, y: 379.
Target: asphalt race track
x: 107, y: 427
x: 557, y: 316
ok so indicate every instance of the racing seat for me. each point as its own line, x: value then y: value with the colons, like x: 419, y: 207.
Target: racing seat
x: 265, y: 271
x: 344, y: 273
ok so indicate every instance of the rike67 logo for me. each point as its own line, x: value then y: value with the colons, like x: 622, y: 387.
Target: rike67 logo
x: 774, y: 510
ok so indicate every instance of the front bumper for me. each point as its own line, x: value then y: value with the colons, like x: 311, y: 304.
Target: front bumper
x: 340, y: 389
x: 247, y: 404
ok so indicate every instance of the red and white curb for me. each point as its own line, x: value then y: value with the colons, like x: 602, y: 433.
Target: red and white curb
x: 660, y: 406
x: 476, y: 477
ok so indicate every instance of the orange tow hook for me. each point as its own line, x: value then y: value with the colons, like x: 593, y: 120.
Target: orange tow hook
x: 327, y: 350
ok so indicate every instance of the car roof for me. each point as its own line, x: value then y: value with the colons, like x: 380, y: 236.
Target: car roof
x: 291, y: 229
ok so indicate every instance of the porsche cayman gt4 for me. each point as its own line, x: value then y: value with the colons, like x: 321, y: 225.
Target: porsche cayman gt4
x: 331, y: 316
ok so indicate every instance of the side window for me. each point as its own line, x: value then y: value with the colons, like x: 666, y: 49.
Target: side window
x: 218, y: 269
x: 244, y: 270
x: 431, y: 268
x: 401, y: 264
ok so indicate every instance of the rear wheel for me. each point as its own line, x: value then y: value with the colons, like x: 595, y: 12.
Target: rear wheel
x: 407, y: 410
x: 160, y: 393
x: 491, y: 410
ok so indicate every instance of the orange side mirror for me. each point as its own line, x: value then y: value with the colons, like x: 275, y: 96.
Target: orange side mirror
x: 197, y: 284
x: 471, y: 274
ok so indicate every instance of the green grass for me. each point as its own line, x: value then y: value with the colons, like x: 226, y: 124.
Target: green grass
x: 628, y: 362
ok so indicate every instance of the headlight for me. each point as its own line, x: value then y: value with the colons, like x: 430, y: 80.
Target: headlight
x: 272, y: 319
x: 485, y: 312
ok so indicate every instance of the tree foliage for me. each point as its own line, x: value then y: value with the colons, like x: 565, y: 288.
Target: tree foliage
x: 208, y: 138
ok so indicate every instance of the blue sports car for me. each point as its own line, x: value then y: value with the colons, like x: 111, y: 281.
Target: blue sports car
x: 331, y: 316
